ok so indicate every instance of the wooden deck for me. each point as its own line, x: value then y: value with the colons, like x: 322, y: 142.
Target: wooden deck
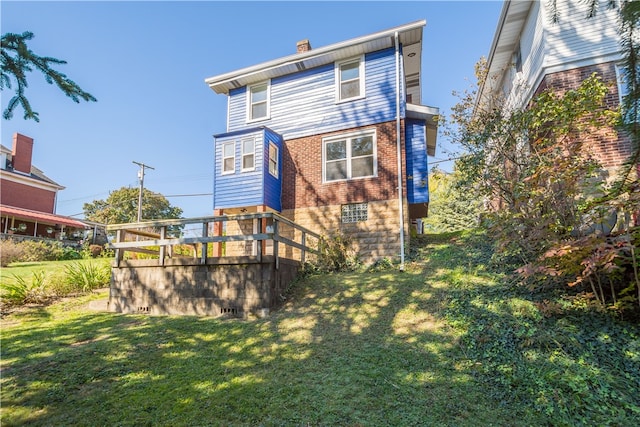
x: 224, y: 271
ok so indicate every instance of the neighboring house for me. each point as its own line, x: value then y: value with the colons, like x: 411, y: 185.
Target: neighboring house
x: 531, y: 53
x: 28, y: 198
x: 328, y: 136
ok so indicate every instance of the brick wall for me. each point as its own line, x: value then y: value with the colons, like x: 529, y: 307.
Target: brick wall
x: 302, y: 185
x: 27, y: 197
x: 315, y: 205
x: 609, y: 147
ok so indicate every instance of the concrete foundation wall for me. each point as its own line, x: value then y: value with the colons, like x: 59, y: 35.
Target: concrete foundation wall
x: 234, y: 286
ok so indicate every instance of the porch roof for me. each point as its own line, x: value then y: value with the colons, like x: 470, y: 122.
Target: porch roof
x: 41, y: 217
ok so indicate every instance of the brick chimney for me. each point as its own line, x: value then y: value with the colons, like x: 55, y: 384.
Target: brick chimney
x: 22, y: 153
x: 303, y: 46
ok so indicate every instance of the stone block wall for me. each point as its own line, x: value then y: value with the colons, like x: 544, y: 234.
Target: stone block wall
x: 224, y: 286
x: 377, y: 237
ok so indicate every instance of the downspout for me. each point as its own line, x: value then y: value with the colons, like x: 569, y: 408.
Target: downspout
x: 399, y: 153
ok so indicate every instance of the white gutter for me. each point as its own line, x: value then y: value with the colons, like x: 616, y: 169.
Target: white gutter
x: 399, y: 152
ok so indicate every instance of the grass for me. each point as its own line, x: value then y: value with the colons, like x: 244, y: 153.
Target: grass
x: 447, y: 342
x: 40, y: 282
x: 26, y: 269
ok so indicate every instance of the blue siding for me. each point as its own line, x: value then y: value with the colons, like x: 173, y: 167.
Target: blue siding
x: 251, y: 188
x: 416, y: 141
x: 240, y: 188
x: 304, y: 103
x: 272, y: 185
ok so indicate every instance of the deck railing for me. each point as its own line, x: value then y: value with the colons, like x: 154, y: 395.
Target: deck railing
x: 270, y: 229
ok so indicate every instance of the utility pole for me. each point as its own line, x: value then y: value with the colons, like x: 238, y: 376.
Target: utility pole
x: 141, y: 178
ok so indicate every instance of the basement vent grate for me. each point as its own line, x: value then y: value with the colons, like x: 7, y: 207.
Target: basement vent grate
x: 228, y: 310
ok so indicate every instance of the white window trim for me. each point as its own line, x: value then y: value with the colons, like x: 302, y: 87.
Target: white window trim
x: 349, y: 136
x: 360, y: 75
x: 622, y: 90
x: 271, y: 144
x: 223, y: 172
x: 268, y: 115
x: 242, y: 156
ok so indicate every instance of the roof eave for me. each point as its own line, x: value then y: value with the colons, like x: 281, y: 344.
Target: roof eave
x: 513, y: 12
x: 281, y: 66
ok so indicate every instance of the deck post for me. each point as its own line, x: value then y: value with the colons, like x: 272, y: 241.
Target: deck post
x: 205, y: 245
x: 163, y: 248
x: 119, y: 252
x: 217, y: 231
x: 304, y: 247
x: 275, y: 242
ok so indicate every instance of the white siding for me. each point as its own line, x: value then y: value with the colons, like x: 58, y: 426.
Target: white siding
x: 548, y: 47
x: 575, y: 38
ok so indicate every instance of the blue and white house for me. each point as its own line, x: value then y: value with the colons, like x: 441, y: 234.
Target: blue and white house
x: 334, y: 138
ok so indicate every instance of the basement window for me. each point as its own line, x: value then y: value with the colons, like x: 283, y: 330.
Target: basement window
x: 355, y: 212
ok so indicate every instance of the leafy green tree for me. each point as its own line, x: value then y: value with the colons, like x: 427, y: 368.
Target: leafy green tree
x: 122, y: 207
x: 17, y: 60
x: 451, y: 206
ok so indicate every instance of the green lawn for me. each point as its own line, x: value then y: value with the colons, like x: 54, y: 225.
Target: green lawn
x: 26, y: 269
x: 446, y: 342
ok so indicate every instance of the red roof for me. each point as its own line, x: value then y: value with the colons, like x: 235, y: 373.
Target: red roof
x: 41, y: 217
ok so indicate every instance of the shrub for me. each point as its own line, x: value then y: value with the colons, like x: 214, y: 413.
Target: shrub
x: 40, y: 250
x: 10, y: 251
x: 20, y: 291
x: 95, y: 250
x: 336, y: 253
x: 85, y: 277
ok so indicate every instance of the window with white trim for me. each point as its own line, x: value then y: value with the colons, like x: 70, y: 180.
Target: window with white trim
x: 248, y: 154
x: 258, y: 101
x: 354, y: 212
x: 273, y: 159
x: 349, y: 156
x: 350, y: 79
x: 228, y: 157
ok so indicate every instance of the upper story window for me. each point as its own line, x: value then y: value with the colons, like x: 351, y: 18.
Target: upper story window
x: 258, y: 101
x: 248, y: 154
x: 273, y: 159
x: 349, y: 156
x: 350, y: 78
x: 228, y: 158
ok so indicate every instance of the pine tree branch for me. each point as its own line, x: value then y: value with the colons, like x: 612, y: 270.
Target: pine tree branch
x: 17, y: 60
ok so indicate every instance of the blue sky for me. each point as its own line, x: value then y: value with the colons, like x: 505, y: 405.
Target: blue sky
x: 146, y: 63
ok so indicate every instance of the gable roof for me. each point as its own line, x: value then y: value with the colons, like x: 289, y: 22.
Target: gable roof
x: 410, y: 36
x: 36, y: 173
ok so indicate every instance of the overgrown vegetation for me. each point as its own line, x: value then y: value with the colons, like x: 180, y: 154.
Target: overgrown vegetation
x: 549, y: 204
x: 450, y: 341
x: 452, y: 207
